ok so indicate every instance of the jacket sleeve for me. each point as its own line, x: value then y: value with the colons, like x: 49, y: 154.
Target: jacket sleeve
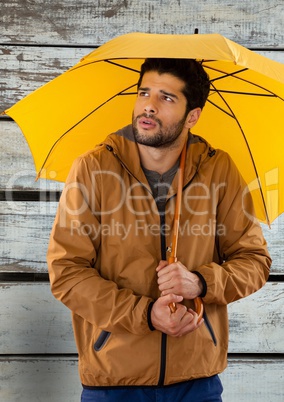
x: 73, y: 260
x: 244, y: 259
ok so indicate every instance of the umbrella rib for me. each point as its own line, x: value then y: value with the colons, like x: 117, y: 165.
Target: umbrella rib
x: 106, y: 61
x: 234, y: 75
x: 220, y: 108
x: 122, y: 66
x: 270, y: 95
x: 80, y: 121
x: 249, y: 150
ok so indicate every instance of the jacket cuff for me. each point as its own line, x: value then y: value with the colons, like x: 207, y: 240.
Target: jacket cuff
x: 204, y: 284
x: 152, y: 328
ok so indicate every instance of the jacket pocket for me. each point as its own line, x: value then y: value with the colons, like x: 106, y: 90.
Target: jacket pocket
x: 102, y: 340
x: 210, y: 328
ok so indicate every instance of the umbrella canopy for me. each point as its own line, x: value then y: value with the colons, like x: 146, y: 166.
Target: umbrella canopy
x: 243, y: 114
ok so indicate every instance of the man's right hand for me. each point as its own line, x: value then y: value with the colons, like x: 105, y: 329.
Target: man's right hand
x: 176, y: 324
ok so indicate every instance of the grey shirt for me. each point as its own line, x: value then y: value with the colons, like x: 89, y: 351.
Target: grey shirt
x: 160, y: 184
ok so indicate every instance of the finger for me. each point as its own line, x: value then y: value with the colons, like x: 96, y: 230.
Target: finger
x: 181, y: 313
x: 164, y: 278
x: 173, y: 268
x: 189, y: 323
x: 167, y: 269
x: 165, y: 289
x: 162, y: 264
x: 194, y: 312
x: 198, y: 320
x: 182, y: 326
x: 170, y: 298
x: 200, y: 323
x: 186, y: 321
x: 169, y: 285
x: 166, y: 292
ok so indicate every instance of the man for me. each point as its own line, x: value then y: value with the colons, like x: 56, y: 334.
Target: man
x: 111, y: 239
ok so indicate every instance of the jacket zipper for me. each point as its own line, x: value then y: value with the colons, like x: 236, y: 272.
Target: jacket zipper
x: 164, y: 336
x: 164, y: 257
x: 206, y: 320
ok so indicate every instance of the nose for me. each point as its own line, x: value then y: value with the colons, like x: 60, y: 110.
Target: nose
x: 150, y: 107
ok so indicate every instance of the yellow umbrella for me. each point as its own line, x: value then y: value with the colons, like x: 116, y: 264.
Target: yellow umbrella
x: 243, y: 114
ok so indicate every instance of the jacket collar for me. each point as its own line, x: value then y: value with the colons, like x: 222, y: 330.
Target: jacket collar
x: 125, y: 148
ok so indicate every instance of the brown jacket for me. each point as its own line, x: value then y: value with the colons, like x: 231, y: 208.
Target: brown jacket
x: 108, y: 239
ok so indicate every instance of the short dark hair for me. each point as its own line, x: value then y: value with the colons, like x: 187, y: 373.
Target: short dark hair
x: 190, y: 71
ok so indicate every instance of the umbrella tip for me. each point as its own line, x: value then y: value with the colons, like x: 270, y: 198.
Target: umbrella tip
x: 196, y: 31
x: 38, y: 175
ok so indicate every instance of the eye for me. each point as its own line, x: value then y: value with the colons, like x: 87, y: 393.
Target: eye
x: 143, y: 93
x: 167, y: 98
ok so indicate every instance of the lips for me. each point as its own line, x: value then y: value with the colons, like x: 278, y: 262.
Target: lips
x: 146, y: 123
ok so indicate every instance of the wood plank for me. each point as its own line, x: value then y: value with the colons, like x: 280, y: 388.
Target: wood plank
x: 255, y: 24
x: 26, y: 223
x: 25, y: 235
x: 17, y: 171
x: 273, y: 55
x: 24, y: 69
x: 253, y: 380
x: 44, y: 379
x: 32, y: 321
x: 257, y: 321
x: 49, y: 379
x: 274, y: 237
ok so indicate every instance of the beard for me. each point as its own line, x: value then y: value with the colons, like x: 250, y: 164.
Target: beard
x: 164, y: 138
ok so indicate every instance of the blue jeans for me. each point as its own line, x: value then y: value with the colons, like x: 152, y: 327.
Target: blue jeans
x: 201, y: 390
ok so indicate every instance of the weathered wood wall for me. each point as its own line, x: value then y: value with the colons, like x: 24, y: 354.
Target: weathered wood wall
x: 38, y: 41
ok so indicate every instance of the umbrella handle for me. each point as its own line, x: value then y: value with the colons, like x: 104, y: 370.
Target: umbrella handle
x: 199, y: 308
x: 172, y: 306
x: 198, y: 303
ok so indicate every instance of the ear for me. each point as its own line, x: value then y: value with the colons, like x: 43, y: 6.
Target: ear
x: 192, y: 117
